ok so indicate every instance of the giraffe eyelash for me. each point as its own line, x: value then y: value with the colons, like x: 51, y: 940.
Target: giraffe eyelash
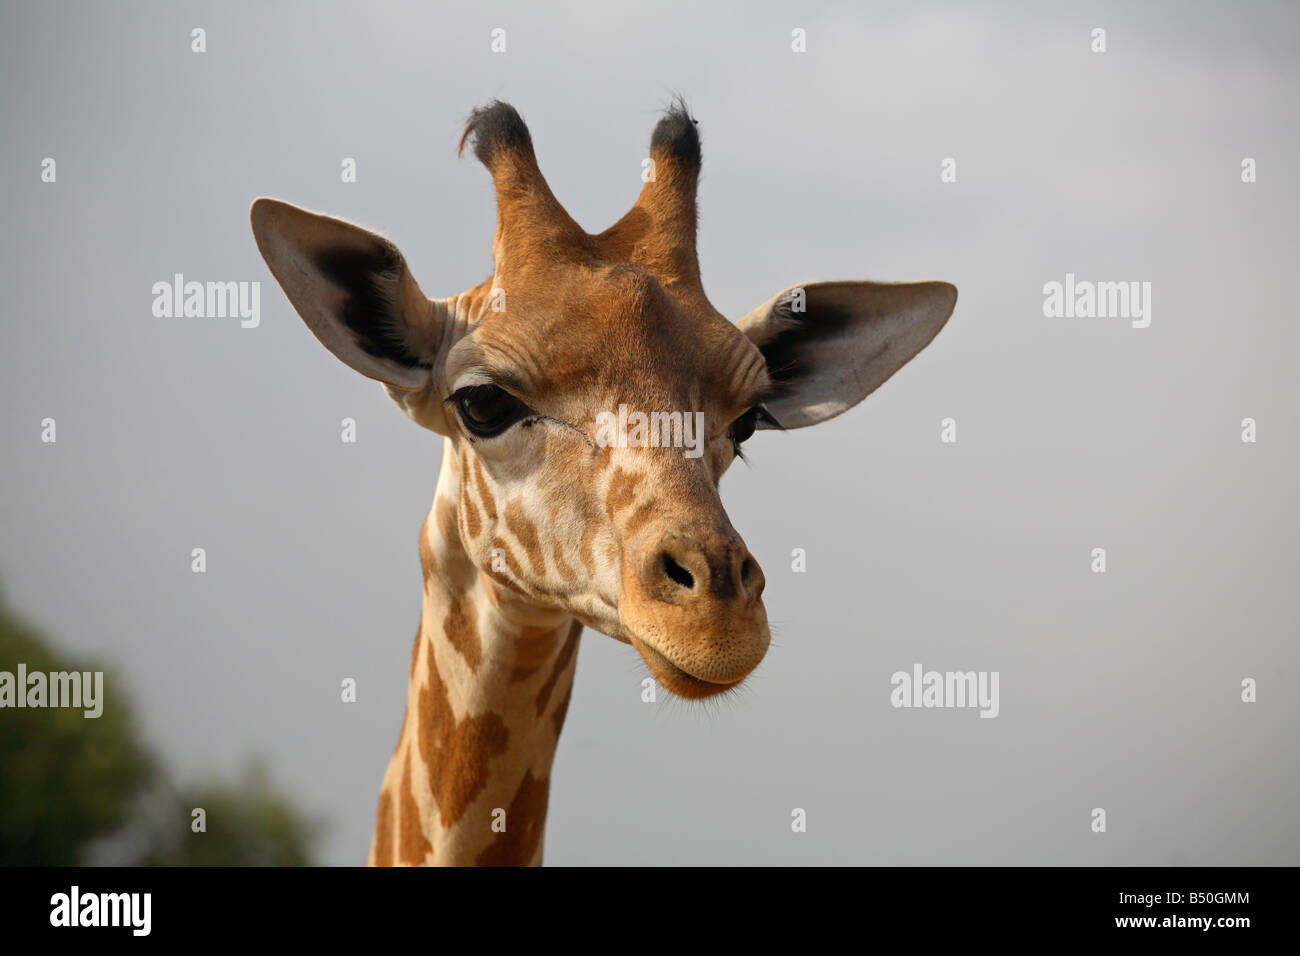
x: 757, y: 413
x: 763, y: 415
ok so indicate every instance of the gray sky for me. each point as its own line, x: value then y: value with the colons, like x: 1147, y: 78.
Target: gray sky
x: 1119, y: 691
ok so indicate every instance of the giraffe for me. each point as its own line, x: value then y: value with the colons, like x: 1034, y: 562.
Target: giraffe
x: 537, y: 529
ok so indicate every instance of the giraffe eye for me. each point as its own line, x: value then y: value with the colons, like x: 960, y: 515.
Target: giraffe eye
x: 743, y: 427
x: 488, y: 410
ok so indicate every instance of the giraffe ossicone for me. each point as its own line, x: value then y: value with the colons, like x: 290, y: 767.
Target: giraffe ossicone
x: 537, y: 528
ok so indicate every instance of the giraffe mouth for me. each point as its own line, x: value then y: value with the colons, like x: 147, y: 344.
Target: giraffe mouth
x: 678, y: 681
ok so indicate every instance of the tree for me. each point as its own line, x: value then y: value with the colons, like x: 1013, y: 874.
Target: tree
x: 76, y: 790
x: 246, y: 824
x: 65, y: 780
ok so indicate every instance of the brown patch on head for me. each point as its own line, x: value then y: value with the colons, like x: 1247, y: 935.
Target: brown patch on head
x: 384, y: 830
x: 472, y: 524
x: 586, y: 550
x: 485, y: 496
x: 412, y: 845
x: 639, y: 517
x: 562, y: 566
x: 523, y: 529
x: 622, y: 489
x: 457, y: 753
x: 562, y: 661
x: 461, y: 629
x: 525, y: 824
x: 511, y: 564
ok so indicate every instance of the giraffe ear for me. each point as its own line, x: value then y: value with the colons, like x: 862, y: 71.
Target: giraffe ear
x: 354, y: 291
x: 829, y: 345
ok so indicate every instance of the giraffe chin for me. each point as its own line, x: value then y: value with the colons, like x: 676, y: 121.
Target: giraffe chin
x: 677, y: 681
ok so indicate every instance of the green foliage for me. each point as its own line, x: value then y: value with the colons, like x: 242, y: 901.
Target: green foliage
x: 65, y: 780
x: 247, y: 824
x: 75, y: 790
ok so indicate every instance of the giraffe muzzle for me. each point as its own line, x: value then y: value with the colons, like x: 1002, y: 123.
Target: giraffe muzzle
x: 693, y: 609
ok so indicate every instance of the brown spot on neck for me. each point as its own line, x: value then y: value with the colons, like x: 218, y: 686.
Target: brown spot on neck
x: 461, y: 629
x: 562, y: 661
x: 457, y: 753
x: 412, y: 844
x: 384, y: 830
x: 525, y: 824
x: 533, y: 648
x: 562, y: 710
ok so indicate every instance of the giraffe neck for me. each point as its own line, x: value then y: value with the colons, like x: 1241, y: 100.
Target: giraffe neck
x: 491, y: 676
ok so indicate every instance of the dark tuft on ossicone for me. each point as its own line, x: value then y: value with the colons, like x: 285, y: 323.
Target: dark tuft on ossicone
x: 494, y: 128
x: 676, y: 134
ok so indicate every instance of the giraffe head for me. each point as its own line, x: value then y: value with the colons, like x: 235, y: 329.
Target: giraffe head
x: 592, y: 395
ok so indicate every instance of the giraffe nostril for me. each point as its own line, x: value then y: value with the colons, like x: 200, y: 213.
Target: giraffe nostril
x: 676, y: 572
x: 747, y: 571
